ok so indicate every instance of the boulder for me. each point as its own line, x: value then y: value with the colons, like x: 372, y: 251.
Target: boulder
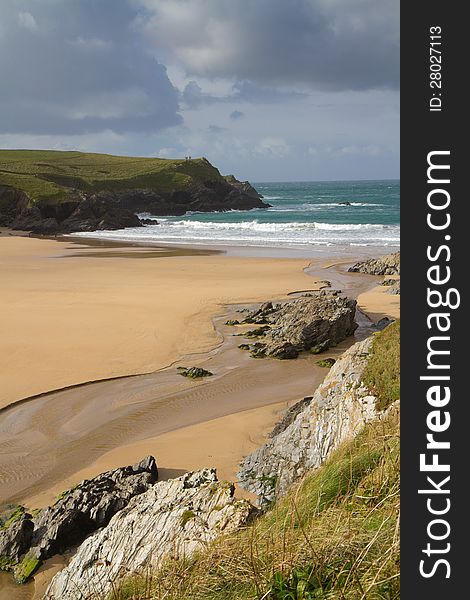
x: 385, y: 265
x: 76, y: 514
x: 194, y: 372
x: 15, y: 538
x: 312, y: 323
x: 173, y: 518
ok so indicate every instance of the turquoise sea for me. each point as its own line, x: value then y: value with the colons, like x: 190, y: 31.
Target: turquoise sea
x: 334, y: 213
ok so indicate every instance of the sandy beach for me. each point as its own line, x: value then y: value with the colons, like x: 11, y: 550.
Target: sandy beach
x: 75, y: 313
x: 69, y: 318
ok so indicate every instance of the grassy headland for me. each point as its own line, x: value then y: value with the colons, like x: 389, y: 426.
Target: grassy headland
x: 50, y: 192
x: 50, y: 174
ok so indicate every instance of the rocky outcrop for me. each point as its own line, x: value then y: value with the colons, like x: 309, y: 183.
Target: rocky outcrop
x: 12, y: 203
x: 76, y: 514
x: 242, y: 186
x: 194, y: 372
x: 175, y: 517
x: 385, y: 265
x: 315, y: 322
x: 339, y: 408
x: 393, y: 286
x: 85, y: 210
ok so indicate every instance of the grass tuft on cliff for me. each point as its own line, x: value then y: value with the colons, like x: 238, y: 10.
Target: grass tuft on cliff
x: 382, y: 373
x: 48, y: 175
x: 335, y: 536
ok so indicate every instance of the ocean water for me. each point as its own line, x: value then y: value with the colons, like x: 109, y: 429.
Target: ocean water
x: 337, y: 213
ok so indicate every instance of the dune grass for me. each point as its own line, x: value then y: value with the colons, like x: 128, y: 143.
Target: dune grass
x: 335, y: 536
x: 47, y: 175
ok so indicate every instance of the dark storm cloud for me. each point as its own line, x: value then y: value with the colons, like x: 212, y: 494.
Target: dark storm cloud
x: 70, y: 67
x: 325, y: 44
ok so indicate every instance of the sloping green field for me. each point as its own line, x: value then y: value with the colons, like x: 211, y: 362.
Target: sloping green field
x: 49, y: 174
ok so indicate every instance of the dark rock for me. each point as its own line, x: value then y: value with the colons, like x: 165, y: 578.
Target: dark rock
x: 258, y: 332
x: 194, y: 372
x: 289, y: 416
x: 385, y: 265
x: 385, y: 322
x: 319, y: 348
x: 307, y: 323
x: 259, y: 316
x: 85, y: 210
x: 15, y: 538
x: 149, y: 222
x: 98, y: 212
x: 12, y: 203
x: 284, y: 351
x: 76, y: 514
x: 326, y: 362
x: 232, y: 322
x: 242, y: 186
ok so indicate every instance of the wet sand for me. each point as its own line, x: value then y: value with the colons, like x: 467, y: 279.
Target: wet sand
x: 378, y: 303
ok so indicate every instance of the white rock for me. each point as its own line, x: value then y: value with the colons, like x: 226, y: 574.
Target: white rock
x: 174, y: 518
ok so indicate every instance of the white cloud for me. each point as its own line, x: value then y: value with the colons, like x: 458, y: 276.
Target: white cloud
x: 27, y: 21
x: 273, y: 146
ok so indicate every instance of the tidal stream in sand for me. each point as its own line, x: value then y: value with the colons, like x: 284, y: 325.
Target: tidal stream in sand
x: 45, y: 440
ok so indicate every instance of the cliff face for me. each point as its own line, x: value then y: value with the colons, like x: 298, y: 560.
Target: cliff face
x: 66, y: 192
x: 337, y: 411
x: 175, y: 517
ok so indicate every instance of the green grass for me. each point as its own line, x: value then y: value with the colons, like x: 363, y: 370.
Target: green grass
x: 382, y: 373
x: 335, y: 536
x: 47, y: 175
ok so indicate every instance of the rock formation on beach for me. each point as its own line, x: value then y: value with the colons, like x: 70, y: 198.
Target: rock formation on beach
x: 385, y: 265
x: 28, y: 540
x: 393, y: 286
x: 50, y: 192
x: 175, y: 517
x: 311, y: 430
x: 315, y: 322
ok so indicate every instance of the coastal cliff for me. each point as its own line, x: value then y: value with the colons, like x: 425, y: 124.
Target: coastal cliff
x: 338, y: 410
x: 49, y: 192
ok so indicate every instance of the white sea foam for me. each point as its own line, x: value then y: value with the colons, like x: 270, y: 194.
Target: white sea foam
x: 255, y: 233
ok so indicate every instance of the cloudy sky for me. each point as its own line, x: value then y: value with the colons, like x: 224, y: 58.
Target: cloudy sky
x: 266, y: 89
